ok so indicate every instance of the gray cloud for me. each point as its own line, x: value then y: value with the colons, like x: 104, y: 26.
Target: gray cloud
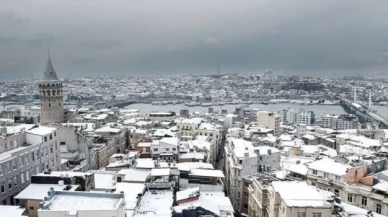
x: 96, y: 37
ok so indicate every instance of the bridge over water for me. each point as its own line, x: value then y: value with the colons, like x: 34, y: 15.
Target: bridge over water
x: 363, y: 113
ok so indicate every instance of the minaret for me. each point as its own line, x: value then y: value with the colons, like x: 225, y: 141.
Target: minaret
x: 51, y: 96
x: 370, y: 100
x: 355, y: 94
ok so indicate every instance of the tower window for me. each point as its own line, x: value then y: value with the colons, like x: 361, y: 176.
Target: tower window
x: 59, y: 104
x: 49, y: 105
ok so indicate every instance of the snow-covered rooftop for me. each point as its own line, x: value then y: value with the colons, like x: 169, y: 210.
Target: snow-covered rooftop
x: 135, y: 175
x: 42, y: 130
x: 131, y: 191
x: 300, y: 194
x: 328, y: 165
x: 39, y: 191
x: 11, y: 211
x: 207, y: 173
x: 187, y: 193
x: 76, y: 202
x: 155, y: 204
x: 187, y: 166
x: 160, y: 172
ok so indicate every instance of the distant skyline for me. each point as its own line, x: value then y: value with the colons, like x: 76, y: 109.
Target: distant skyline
x: 175, y: 37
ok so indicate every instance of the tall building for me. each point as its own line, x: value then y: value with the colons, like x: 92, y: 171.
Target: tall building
x: 51, y: 96
x: 270, y: 120
x: 306, y: 117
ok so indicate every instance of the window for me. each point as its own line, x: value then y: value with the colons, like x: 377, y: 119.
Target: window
x: 317, y: 214
x: 51, y: 148
x: 28, y: 175
x: 45, y: 138
x: 26, y: 159
x: 51, y: 136
x: 22, y: 177
x: 350, y: 198
x: 167, y: 149
x: 15, y: 180
x: 155, y: 149
x: 1, y: 170
x: 33, y: 156
x: 337, y: 178
x: 336, y: 192
x: 238, y: 195
x: 31, y: 208
x: 14, y: 164
x: 174, y: 149
x: 2, y: 187
x: 315, y: 172
x: 378, y: 208
x: 245, y: 206
x: 301, y: 214
x: 364, y: 201
x: 55, y: 133
x: 21, y: 160
x: 9, y: 184
x: 325, y: 175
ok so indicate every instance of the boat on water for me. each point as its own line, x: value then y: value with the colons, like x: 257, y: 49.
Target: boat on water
x: 207, y: 104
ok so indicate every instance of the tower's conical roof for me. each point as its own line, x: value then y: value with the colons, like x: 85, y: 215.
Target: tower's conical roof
x: 49, y: 73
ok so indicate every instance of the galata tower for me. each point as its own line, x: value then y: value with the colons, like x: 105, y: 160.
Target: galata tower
x: 51, y: 96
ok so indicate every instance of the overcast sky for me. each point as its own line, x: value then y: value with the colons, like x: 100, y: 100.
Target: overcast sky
x: 171, y: 37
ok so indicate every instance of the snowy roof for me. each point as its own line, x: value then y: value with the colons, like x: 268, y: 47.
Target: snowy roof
x: 265, y: 149
x: 96, y: 116
x: 309, y: 136
x: 297, y: 168
x: 39, y: 191
x: 11, y: 211
x: 300, y: 194
x: 83, y: 201
x: 170, y: 140
x: 207, y: 126
x: 65, y: 174
x: 145, y: 163
x: 131, y: 191
x: 382, y: 186
x: 191, y: 192
x: 187, y: 166
x: 328, y: 165
x: 192, y: 121
x: 355, y: 211
x: 18, y: 128
x: 207, y: 173
x: 104, y: 180
x: 41, y: 130
x: 160, y: 172
x: 192, y: 155
x: 108, y: 129
x: 155, y: 204
x: 135, y: 175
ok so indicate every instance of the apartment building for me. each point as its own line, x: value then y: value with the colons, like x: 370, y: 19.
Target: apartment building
x: 165, y: 149
x: 242, y: 159
x: 359, y: 183
x: 26, y: 150
x: 270, y: 120
x: 189, y: 127
x: 118, y: 133
x: 214, y: 135
x: 341, y: 122
x: 306, y: 117
x: 286, y: 199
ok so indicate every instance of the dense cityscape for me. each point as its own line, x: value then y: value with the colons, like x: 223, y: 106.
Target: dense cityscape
x: 221, y: 145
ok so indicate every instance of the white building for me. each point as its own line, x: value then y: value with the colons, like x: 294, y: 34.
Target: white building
x: 270, y: 120
x: 289, y: 116
x: 306, y: 117
x: 286, y: 199
x: 165, y: 149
